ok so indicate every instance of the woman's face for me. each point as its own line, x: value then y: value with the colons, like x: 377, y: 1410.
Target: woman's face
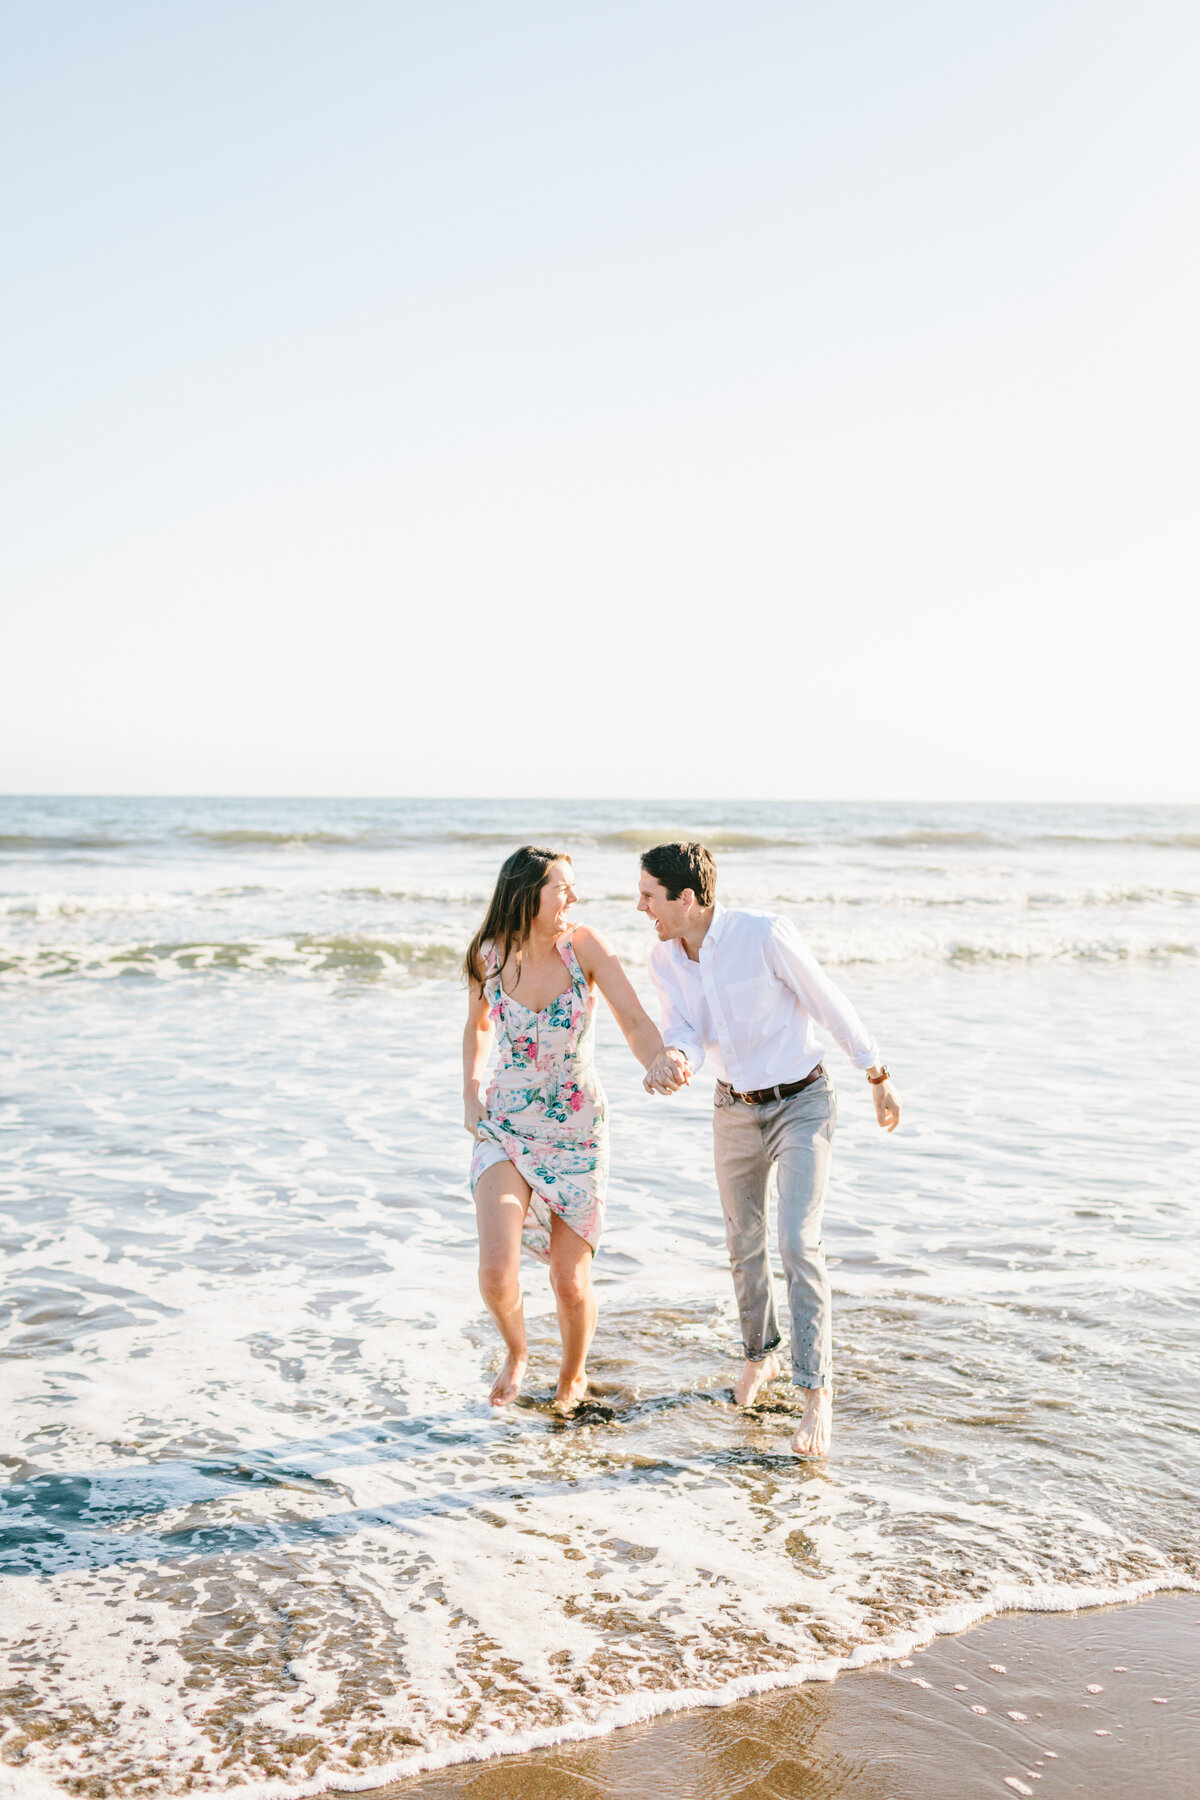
x: 558, y: 896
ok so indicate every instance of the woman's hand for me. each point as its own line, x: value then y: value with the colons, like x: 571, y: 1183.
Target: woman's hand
x: 473, y: 1111
x: 669, y: 1071
x: 477, y: 1040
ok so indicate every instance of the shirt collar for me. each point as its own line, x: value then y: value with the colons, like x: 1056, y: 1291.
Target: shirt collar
x: 716, y: 926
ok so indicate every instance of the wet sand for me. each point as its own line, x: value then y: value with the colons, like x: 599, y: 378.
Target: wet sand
x: 914, y: 1730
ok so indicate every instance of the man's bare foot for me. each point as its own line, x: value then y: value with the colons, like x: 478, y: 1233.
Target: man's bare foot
x: 508, y: 1382
x: 752, y: 1377
x: 570, y: 1394
x: 816, y: 1423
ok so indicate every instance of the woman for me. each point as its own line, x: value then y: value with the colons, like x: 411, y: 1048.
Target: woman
x: 540, y: 1165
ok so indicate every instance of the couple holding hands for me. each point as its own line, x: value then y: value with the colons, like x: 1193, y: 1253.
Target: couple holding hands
x: 738, y: 989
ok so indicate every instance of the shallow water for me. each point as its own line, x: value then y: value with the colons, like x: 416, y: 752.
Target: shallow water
x: 259, y: 1525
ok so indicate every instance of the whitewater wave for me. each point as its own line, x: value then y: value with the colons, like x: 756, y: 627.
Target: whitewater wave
x: 65, y: 904
x: 255, y: 837
x: 363, y: 956
x: 16, y: 842
x: 820, y: 835
x: 1171, y: 840
x: 655, y: 1703
x: 897, y: 947
x: 304, y: 955
x: 634, y: 838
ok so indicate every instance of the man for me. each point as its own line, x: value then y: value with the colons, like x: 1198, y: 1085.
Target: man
x: 743, y: 990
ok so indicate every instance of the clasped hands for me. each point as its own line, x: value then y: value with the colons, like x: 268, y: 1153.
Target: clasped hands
x: 669, y: 1071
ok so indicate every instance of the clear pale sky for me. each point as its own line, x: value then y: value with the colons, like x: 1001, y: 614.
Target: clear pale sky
x: 644, y: 397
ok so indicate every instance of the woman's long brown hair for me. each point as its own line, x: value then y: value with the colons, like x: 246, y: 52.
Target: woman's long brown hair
x: 511, y: 910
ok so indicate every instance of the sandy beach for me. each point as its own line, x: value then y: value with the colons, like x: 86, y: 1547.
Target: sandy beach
x: 1097, y: 1704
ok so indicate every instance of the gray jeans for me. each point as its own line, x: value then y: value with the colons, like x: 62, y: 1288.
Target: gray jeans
x: 797, y: 1135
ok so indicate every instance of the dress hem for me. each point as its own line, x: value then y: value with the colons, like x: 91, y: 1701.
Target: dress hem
x: 533, y: 1224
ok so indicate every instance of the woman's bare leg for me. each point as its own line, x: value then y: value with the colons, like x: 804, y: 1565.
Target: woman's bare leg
x: 501, y: 1201
x: 571, y: 1279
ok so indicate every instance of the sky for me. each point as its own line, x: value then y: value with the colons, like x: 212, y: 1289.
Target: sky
x: 741, y: 399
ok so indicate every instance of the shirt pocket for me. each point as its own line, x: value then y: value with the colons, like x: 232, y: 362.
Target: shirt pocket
x: 748, y: 1002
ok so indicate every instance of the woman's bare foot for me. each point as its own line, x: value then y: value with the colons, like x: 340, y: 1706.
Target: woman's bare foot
x: 816, y: 1423
x: 752, y: 1377
x: 570, y: 1393
x: 507, y: 1384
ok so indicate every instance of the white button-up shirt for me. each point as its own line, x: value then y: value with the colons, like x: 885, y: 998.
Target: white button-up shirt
x: 750, y: 1005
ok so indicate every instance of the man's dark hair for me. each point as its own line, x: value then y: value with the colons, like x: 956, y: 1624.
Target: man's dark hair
x: 680, y: 866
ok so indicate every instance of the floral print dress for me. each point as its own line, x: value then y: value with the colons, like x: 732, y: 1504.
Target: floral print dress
x: 546, y: 1110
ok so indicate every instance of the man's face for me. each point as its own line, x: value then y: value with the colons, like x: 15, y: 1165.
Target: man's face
x: 669, y: 917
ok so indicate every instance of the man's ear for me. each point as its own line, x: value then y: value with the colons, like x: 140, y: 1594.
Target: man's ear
x: 688, y: 896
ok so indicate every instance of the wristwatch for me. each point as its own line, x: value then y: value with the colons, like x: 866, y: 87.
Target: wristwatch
x: 884, y: 1075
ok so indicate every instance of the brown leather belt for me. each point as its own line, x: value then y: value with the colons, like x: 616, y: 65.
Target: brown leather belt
x: 763, y: 1096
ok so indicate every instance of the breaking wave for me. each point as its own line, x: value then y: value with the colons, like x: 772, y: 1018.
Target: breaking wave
x: 305, y: 955
x: 812, y: 828
x: 14, y: 843
x: 364, y: 956
x: 254, y: 838
x: 84, y: 905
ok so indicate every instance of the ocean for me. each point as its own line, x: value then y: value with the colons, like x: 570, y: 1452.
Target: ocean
x: 258, y: 1526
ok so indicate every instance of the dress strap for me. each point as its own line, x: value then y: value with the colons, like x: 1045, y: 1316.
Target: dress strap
x: 566, y: 949
x: 491, y: 974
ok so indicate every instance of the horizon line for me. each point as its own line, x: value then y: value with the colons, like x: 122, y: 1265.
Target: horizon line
x: 572, y: 799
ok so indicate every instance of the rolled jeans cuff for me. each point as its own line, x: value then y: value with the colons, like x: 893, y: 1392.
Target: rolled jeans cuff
x: 812, y: 1378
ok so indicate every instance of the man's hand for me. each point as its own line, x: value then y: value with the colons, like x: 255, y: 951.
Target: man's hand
x: 473, y: 1111
x: 669, y: 1071
x: 887, y: 1104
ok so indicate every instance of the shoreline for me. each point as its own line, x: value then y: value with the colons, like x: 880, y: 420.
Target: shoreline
x: 906, y: 1728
